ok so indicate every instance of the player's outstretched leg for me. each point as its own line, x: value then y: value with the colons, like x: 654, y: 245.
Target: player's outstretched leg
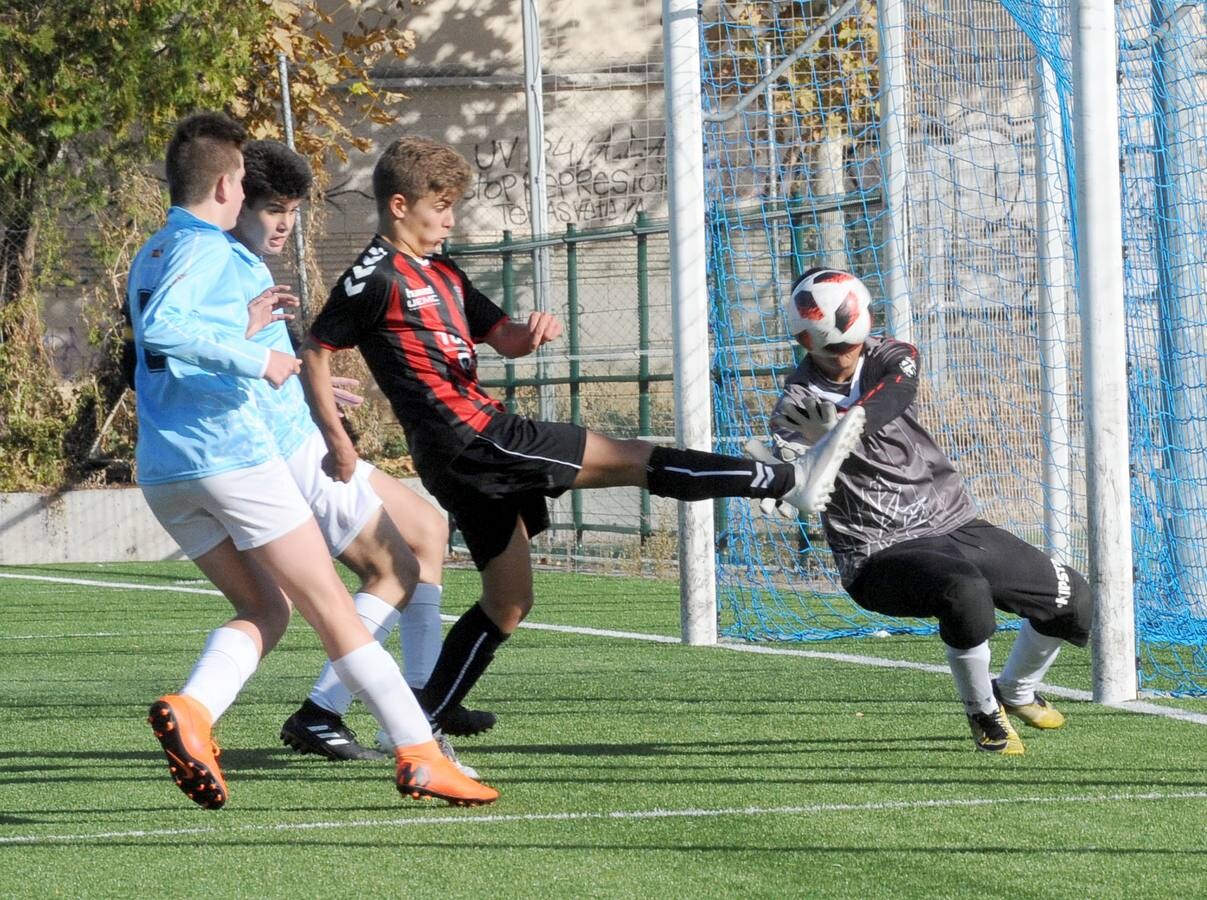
x: 1030, y: 657
x: 423, y: 772
x: 312, y: 729
x: 817, y: 470
x: 182, y: 726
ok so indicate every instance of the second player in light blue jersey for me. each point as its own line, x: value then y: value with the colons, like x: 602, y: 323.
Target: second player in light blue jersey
x: 369, y: 521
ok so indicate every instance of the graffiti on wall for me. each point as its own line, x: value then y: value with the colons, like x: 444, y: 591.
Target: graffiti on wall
x: 600, y: 180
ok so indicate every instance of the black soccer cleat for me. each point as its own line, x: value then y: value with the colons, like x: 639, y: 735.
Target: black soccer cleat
x: 993, y: 733
x: 313, y: 729
x: 464, y: 722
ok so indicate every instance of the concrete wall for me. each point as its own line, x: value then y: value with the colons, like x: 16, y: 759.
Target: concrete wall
x: 104, y: 525
x: 111, y: 525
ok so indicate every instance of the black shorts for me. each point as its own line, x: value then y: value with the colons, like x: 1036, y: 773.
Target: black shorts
x: 912, y: 579
x: 504, y: 475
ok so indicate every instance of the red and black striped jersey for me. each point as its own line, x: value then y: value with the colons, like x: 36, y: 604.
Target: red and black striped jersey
x: 417, y: 324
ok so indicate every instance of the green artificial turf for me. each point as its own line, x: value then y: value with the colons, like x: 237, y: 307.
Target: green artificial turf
x: 629, y: 768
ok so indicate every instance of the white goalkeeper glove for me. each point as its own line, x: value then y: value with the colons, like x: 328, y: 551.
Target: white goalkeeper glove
x: 805, y: 413
x: 757, y: 450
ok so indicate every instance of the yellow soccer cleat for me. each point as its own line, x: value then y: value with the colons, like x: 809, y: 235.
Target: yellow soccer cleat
x: 993, y: 733
x: 1039, y: 713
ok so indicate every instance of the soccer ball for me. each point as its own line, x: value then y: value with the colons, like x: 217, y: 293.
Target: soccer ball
x: 829, y: 311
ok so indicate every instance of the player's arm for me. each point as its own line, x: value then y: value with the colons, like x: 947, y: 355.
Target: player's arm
x: 890, y: 385
x: 341, y: 459
x: 512, y: 339
x: 489, y: 325
x: 173, y: 327
x: 341, y: 323
x: 897, y: 365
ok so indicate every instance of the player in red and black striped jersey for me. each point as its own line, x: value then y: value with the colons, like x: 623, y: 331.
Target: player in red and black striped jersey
x: 907, y: 537
x: 417, y: 319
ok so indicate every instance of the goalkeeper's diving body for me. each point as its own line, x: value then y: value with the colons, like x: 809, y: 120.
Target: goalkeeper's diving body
x: 904, y: 529
x: 417, y: 320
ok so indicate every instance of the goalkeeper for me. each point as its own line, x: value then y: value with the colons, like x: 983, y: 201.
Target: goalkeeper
x: 905, y: 531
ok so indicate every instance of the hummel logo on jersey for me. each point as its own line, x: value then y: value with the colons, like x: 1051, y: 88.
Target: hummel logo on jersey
x: 355, y: 282
x: 421, y: 297
x: 909, y: 367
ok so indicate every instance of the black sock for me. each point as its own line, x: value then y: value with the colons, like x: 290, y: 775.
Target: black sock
x: 467, y: 650
x: 695, y: 475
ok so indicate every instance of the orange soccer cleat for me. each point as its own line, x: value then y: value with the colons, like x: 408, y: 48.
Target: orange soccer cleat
x: 423, y: 771
x: 182, y: 726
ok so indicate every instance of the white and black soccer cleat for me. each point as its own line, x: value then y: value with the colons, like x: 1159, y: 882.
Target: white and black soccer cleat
x: 313, y: 729
x: 817, y: 469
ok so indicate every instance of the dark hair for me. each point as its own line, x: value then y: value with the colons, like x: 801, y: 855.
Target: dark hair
x: 271, y: 169
x: 416, y: 167
x: 204, y: 147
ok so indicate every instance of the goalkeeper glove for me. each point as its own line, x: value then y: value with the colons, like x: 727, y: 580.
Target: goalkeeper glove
x: 805, y: 413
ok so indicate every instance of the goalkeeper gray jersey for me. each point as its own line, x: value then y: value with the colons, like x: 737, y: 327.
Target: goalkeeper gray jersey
x: 897, y: 485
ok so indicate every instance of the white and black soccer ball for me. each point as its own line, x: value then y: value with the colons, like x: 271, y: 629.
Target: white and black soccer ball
x: 829, y: 311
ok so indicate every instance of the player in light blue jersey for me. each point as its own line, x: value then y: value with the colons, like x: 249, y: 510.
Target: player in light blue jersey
x: 210, y: 471
x: 369, y: 521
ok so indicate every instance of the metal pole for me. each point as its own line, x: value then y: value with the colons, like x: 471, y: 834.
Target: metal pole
x: 1053, y: 331
x: 689, y: 303
x: 299, y: 233
x: 644, y: 418
x: 894, y: 165
x: 773, y: 181
x: 576, y: 497
x: 1104, y: 345
x: 508, y: 258
x: 537, y: 191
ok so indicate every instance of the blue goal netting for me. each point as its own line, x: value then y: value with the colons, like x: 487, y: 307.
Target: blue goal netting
x: 796, y: 158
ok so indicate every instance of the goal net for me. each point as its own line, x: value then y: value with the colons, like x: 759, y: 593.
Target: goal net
x: 972, y: 253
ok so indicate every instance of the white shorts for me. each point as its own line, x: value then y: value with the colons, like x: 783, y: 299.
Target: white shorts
x: 251, y: 506
x: 341, y: 508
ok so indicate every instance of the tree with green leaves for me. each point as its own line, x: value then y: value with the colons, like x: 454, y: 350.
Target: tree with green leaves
x: 89, y: 94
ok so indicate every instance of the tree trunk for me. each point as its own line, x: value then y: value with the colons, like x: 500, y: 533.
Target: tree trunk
x: 18, y: 240
x: 830, y: 183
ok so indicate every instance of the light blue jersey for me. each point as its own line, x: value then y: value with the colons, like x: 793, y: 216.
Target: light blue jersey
x: 283, y: 410
x: 195, y: 371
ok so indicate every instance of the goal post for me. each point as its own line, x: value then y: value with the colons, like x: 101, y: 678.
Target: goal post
x: 689, y: 308
x: 1104, y: 344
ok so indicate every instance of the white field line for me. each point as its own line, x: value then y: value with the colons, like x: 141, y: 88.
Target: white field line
x: 1136, y: 706
x: 614, y: 816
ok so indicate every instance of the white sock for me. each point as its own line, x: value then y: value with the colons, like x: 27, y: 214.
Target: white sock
x: 228, y: 659
x: 375, y: 679
x: 970, y: 669
x: 1030, y: 657
x: 420, y: 633
x: 379, y: 618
